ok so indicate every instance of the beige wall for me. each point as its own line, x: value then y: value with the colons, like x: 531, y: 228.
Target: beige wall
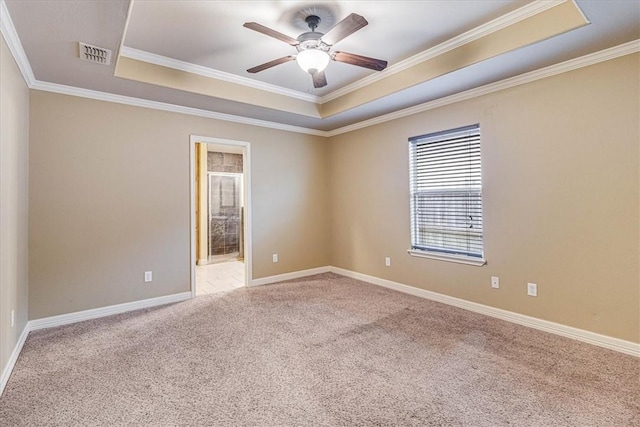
x: 109, y: 199
x: 561, y: 206
x: 14, y: 186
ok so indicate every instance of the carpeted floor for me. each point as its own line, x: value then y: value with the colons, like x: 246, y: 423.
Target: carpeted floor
x: 320, y: 351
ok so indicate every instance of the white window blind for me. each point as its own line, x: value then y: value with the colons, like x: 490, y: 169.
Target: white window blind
x: 446, y: 192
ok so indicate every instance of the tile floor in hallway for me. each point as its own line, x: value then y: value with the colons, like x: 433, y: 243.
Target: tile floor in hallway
x: 219, y: 277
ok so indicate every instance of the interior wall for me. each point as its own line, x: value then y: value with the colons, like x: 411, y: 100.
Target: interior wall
x: 109, y: 199
x: 561, y: 189
x: 560, y: 160
x: 14, y: 182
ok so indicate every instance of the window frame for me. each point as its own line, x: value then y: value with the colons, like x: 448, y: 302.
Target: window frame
x: 442, y: 254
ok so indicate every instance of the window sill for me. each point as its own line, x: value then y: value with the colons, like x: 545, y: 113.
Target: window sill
x: 461, y: 259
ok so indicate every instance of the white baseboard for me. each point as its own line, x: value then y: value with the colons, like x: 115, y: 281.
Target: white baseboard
x: 79, y: 316
x: 611, y: 343
x: 288, y: 276
x: 6, y: 372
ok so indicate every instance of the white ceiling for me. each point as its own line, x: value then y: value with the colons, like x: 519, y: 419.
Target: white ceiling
x: 210, y: 34
x: 215, y: 37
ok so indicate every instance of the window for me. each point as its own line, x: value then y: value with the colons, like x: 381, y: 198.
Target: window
x: 446, y: 195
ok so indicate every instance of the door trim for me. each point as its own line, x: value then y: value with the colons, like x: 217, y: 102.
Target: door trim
x: 246, y: 171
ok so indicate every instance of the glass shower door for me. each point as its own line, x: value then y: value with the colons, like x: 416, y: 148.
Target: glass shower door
x: 225, y: 208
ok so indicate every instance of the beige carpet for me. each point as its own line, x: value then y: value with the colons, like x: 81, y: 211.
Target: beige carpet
x: 320, y: 351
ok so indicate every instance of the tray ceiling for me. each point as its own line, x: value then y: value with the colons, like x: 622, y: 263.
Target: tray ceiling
x: 195, y: 54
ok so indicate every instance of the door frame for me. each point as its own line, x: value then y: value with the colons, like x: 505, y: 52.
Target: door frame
x: 246, y: 189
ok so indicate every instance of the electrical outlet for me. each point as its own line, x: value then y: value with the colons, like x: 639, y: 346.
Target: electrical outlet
x: 387, y: 261
x: 275, y: 257
x: 13, y: 318
x: 532, y: 289
x: 148, y: 276
x: 495, y: 282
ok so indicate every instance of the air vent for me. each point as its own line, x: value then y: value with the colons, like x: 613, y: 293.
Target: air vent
x: 96, y: 54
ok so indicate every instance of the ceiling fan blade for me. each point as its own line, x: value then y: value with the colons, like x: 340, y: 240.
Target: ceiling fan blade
x: 270, y: 64
x: 344, y: 28
x: 360, y: 61
x: 319, y: 79
x: 271, y: 33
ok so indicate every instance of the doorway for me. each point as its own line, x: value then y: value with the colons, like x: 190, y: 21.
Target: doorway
x: 220, y: 250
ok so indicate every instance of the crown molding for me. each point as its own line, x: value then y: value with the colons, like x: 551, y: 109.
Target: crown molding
x: 573, y: 64
x: 13, y: 42
x: 497, y: 24
x: 15, y: 46
x: 156, y: 105
x: 124, y: 33
x: 188, y: 67
x: 563, y: 67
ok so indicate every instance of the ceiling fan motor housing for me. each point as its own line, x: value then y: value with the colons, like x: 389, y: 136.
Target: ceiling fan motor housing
x: 311, y: 40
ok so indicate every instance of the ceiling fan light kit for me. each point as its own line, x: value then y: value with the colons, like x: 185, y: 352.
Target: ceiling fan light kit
x: 314, y: 48
x: 313, y: 60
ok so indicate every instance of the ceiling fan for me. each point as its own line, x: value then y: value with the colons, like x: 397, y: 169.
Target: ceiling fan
x: 314, y: 48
